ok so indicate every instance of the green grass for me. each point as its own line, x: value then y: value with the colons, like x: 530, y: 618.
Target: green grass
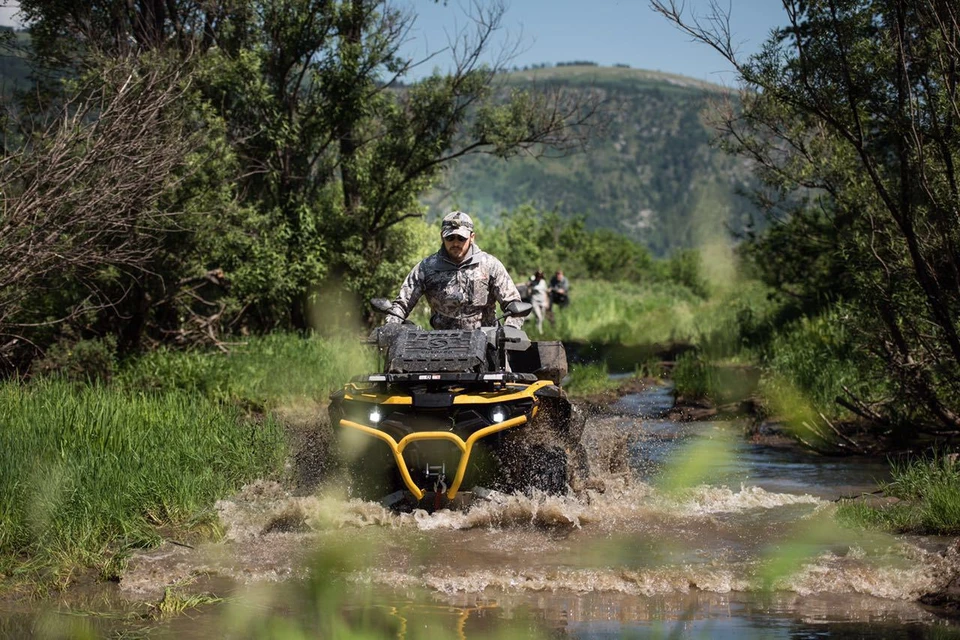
x: 648, y: 313
x: 587, y: 379
x: 817, y: 357
x: 929, y: 494
x: 263, y: 371
x: 87, y: 472
x: 623, y: 313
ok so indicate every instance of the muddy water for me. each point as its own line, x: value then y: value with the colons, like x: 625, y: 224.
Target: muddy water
x: 740, y: 544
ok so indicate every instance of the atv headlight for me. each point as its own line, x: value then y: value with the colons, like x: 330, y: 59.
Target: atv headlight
x: 498, y: 414
x: 375, y: 415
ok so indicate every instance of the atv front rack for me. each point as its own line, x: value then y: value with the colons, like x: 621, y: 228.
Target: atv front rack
x: 465, y: 445
x: 502, y: 376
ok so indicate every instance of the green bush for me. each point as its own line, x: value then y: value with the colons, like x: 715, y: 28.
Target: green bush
x: 818, y: 357
x: 92, y: 360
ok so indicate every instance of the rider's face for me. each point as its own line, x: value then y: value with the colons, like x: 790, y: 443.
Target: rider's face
x: 457, y: 246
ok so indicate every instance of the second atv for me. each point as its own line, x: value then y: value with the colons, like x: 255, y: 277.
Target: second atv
x: 450, y: 410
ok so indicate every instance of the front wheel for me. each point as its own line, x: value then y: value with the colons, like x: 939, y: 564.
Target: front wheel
x: 534, y: 467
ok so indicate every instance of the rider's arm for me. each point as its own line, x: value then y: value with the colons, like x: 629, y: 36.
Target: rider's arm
x: 505, y: 291
x: 410, y: 292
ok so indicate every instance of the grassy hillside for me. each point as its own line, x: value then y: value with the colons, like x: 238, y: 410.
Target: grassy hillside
x: 650, y: 173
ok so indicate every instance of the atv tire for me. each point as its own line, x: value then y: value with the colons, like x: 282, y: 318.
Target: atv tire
x: 529, y: 467
x: 372, y: 474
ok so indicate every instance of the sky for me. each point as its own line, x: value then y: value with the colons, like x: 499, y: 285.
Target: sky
x: 607, y: 32
x: 604, y: 31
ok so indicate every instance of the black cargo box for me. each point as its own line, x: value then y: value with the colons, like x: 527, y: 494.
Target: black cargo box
x: 547, y: 359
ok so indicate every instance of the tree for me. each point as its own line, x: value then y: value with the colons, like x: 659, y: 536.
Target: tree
x: 82, y: 194
x: 330, y: 148
x: 852, y: 110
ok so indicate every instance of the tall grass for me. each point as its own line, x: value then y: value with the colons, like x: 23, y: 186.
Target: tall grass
x: 648, y: 313
x: 264, y: 371
x: 928, y: 490
x: 88, y: 471
x: 623, y: 313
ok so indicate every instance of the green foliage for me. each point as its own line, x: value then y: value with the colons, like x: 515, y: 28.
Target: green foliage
x: 858, y: 183
x: 306, y: 157
x: 88, y: 472
x: 685, y: 267
x: 819, y: 358
x: 92, y: 360
x: 526, y: 239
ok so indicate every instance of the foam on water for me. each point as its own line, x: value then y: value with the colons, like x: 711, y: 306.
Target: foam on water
x: 893, y: 579
x: 266, y: 507
x: 706, y: 499
x: 903, y: 572
x: 900, y: 572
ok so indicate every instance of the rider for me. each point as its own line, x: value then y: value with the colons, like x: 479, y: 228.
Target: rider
x: 462, y: 283
x: 538, y: 297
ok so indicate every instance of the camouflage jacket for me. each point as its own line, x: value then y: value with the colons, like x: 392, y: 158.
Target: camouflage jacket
x: 461, y: 296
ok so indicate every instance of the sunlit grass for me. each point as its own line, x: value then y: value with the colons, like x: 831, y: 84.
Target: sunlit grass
x: 587, y: 379
x: 91, y: 471
x: 263, y: 371
x: 88, y: 472
x: 623, y: 313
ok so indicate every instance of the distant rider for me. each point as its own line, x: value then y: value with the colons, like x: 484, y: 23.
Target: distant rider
x: 538, y: 297
x: 559, y: 289
x: 461, y: 282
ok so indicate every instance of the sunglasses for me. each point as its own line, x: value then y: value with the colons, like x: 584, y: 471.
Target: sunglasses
x: 455, y: 238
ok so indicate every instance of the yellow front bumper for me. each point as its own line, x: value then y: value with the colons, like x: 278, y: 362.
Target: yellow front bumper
x: 465, y: 446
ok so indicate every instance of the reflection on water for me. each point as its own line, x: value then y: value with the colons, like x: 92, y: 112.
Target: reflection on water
x: 751, y: 552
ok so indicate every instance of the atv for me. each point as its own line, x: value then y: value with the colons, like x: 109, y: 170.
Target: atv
x: 450, y: 409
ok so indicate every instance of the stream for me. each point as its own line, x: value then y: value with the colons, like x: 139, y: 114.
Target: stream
x: 689, y: 531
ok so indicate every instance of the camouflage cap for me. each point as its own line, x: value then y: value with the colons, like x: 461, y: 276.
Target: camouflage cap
x: 456, y: 223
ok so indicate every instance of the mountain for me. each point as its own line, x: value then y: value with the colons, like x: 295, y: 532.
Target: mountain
x: 15, y: 68
x: 649, y: 173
